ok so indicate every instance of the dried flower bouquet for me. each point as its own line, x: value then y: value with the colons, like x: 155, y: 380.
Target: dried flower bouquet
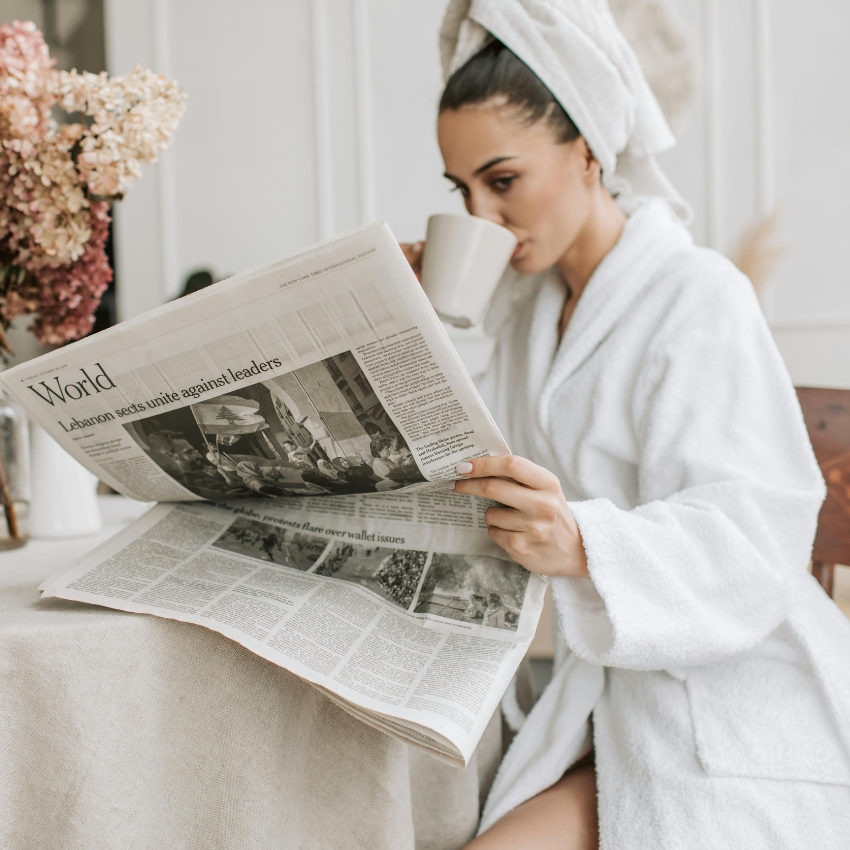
x: 57, y: 181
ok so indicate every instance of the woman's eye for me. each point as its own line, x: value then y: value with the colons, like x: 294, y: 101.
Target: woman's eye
x: 462, y: 189
x: 502, y: 184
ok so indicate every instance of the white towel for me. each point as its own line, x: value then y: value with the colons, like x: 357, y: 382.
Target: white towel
x: 576, y: 50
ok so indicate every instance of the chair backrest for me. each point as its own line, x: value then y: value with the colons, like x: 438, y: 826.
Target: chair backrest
x: 827, y: 415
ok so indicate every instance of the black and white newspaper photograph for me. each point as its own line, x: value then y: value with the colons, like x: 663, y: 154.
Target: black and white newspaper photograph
x: 393, y: 574
x: 476, y: 589
x: 265, y: 542
x: 317, y: 430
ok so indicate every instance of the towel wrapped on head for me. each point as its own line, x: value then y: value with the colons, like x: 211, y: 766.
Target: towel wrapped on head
x: 576, y: 50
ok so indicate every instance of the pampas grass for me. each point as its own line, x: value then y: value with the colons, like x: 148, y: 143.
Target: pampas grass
x: 764, y: 247
x: 665, y: 48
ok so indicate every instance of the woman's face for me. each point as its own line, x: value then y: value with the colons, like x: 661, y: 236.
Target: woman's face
x: 521, y: 177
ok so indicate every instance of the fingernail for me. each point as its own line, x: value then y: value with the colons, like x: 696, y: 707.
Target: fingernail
x: 463, y: 468
x: 452, y: 485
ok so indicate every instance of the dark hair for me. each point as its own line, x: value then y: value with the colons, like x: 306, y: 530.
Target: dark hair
x: 495, y: 71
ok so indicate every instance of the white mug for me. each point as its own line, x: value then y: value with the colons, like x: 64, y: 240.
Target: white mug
x: 464, y: 259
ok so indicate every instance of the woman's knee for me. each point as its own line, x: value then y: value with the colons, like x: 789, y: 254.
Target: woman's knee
x: 563, y: 817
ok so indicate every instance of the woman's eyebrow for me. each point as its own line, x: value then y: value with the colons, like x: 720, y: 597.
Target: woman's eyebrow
x: 491, y: 163
x: 481, y: 170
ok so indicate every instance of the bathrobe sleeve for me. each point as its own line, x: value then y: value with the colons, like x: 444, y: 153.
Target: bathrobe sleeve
x: 729, y: 491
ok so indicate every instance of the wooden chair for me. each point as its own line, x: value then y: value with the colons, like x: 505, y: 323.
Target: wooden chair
x: 827, y: 416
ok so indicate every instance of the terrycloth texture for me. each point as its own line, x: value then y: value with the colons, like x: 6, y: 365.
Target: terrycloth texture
x: 671, y: 422
x: 576, y: 50
x: 561, y: 737
x: 133, y: 732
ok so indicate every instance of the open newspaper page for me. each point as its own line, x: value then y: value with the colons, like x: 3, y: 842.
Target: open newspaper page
x: 398, y: 606
x: 327, y: 373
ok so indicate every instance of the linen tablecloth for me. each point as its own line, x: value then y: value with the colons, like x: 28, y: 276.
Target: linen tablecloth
x: 129, y: 731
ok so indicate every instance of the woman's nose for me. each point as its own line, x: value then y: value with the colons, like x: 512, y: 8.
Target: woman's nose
x: 485, y: 208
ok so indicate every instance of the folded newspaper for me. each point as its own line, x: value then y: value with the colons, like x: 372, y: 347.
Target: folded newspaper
x: 299, y: 425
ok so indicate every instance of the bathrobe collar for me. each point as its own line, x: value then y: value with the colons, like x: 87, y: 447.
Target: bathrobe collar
x: 650, y: 236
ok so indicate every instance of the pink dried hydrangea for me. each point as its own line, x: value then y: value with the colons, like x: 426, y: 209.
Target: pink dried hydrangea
x: 45, y: 216
x: 26, y: 82
x: 55, y: 179
x: 66, y: 297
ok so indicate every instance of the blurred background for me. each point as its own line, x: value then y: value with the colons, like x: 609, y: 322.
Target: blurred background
x: 308, y: 117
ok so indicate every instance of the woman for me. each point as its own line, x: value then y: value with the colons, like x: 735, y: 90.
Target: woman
x: 356, y: 472
x: 300, y: 456
x: 475, y: 609
x: 402, y: 464
x: 663, y: 478
x: 494, y: 614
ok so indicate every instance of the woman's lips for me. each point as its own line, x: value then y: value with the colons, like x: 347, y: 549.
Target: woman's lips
x: 517, y: 250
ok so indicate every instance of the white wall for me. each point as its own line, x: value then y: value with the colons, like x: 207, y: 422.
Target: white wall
x: 772, y: 126
x: 307, y: 117
x: 304, y: 118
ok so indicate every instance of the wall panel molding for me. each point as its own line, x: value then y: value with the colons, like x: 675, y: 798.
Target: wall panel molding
x: 167, y: 190
x: 322, y: 118
x: 367, y: 183
x: 764, y: 165
x: 763, y: 107
x: 810, y: 322
x: 712, y: 109
x: 140, y: 264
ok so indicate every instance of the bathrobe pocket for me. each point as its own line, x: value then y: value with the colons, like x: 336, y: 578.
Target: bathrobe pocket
x: 765, y: 718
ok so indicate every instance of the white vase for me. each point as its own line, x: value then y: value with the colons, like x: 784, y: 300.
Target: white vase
x: 64, y: 493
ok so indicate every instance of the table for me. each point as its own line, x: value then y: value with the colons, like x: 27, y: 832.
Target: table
x: 131, y: 731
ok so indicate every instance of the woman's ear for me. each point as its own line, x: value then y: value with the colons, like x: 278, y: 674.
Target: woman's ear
x: 590, y: 165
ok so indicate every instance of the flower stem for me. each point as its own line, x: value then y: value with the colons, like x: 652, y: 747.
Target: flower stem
x: 8, y: 505
x: 5, y: 348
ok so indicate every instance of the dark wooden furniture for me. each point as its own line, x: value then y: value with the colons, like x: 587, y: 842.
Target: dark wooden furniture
x: 827, y: 415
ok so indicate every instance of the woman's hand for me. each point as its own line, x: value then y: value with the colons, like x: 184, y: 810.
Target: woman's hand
x: 533, y: 522
x: 413, y: 254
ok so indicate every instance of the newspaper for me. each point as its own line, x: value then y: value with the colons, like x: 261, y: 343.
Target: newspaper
x: 325, y: 373
x: 298, y: 424
x: 398, y: 606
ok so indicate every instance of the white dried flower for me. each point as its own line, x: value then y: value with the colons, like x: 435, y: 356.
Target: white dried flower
x: 133, y: 120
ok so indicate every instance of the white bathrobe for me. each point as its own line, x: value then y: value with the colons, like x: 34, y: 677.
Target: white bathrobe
x: 714, y: 669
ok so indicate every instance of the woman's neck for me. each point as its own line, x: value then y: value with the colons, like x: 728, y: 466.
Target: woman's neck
x: 598, y: 236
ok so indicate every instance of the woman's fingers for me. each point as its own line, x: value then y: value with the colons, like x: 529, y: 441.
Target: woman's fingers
x: 499, y: 490
x: 411, y: 250
x: 507, y: 540
x: 509, y: 519
x: 517, y: 468
x: 413, y: 254
x: 533, y: 522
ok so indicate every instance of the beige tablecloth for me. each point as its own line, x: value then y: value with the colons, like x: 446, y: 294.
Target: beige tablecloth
x: 127, y: 731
